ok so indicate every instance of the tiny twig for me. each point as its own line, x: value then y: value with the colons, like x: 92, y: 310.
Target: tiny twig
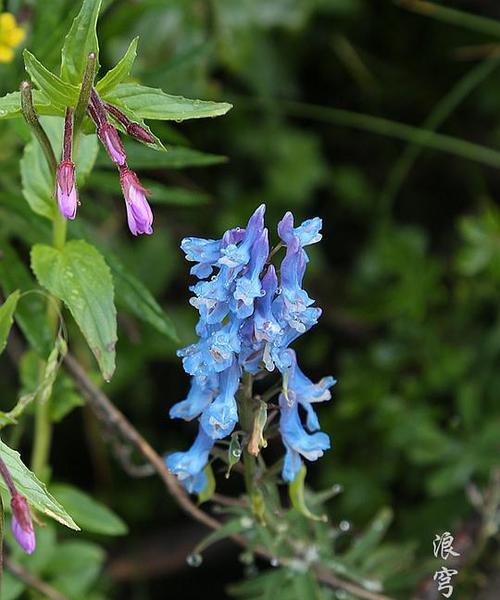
x: 32, y: 580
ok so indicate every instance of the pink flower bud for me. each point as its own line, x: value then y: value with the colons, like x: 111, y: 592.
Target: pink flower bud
x: 139, y: 215
x: 22, y: 526
x: 111, y: 140
x: 67, y: 197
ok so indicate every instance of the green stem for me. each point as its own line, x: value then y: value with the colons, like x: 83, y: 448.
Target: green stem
x: 245, y: 407
x: 43, y: 423
x: 32, y: 119
x: 86, y: 88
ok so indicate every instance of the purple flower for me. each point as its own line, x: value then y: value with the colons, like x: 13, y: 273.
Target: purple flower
x: 67, y: 196
x: 139, y: 215
x: 22, y: 525
x: 111, y: 140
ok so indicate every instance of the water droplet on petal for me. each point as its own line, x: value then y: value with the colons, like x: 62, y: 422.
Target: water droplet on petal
x: 194, y: 560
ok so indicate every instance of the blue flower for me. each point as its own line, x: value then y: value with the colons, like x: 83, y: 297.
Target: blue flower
x: 237, y: 256
x: 248, y: 286
x: 219, y: 419
x: 296, y: 440
x: 189, y: 465
x: 299, y: 388
x: 247, y: 321
x: 307, y: 233
x: 203, y: 390
x: 204, y: 252
x: 213, y: 353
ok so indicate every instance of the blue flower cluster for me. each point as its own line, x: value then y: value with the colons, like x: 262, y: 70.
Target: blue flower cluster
x: 247, y: 322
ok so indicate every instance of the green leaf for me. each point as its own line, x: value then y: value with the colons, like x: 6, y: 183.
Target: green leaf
x: 38, y: 387
x: 231, y: 527
x: 7, y: 311
x: 37, y: 180
x: 60, y: 93
x: 80, y: 41
x: 32, y: 310
x: 209, y: 489
x: 296, y: 490
x: 365, y: 543
x: 79, y: 276
x: 74, y: 566
x: 109, y: 183
x: 88, y: 513
x: 133, y: 295
x: 34, y: 490
x: 10, y: 105
x: 64, y: 399
x: 176, y: 157
x: 120, y: 72
x: 153, y: 103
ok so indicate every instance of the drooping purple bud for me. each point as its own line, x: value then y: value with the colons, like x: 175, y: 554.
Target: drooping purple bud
x: 139, y: 215
x: 139, y: 133
x: 67, y: 196
x: 133, y: 129
x: 22, y: 525
x: 111, y: 140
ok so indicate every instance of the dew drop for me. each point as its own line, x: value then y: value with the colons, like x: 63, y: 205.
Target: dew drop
x: 278, y: 291
x: 236, y: 453
x: 344, y: 525
x: 194, y: 560
x: 274, y: 562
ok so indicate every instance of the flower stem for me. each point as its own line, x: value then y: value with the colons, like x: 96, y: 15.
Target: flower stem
x: 86, y: 87
x: 32, y: 119
x: 245, y: 407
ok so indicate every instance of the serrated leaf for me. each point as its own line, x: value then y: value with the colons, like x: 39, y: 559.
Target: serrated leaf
x: 120, y: 71
x: 7, y: 311
x: 80, y: 41
x: 79, y: 276
x: 34, y: 490
x: 37, y: 180
x: 59, y: 93
x: 88, y: 513
x: 133, y: 295
x: 296, y: 490
x: 153, y: 103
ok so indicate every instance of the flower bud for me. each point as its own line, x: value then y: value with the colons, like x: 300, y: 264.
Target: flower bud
x: 22, y: 525
x: 139, y: 215
x: 67, y: 197
x: 139, y: 133
x: 111, y: 140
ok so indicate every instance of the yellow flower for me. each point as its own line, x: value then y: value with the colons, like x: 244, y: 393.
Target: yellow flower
x: 10, y: 36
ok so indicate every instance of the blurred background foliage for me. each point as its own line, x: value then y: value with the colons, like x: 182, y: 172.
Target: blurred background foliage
x: 408, y: 272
